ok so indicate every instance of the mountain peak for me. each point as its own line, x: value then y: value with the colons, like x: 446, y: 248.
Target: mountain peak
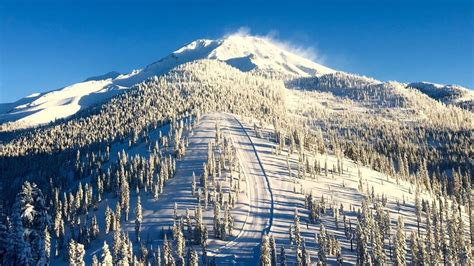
x: 266, y: 55
x: 247, y: 53
x: 244, y: 52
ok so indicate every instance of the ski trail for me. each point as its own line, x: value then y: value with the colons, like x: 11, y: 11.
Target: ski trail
x: 269, y: 227
x: 244, y: 248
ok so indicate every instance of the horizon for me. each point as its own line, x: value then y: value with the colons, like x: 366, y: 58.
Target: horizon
x: 44, y: 38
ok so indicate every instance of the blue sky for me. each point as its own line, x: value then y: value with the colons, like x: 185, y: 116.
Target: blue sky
x: 46, y: 45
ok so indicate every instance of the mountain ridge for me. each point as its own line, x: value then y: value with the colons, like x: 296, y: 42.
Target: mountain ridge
x: 247, y: 53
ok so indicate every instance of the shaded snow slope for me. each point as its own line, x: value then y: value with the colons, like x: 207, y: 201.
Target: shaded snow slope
x: 247, y: 53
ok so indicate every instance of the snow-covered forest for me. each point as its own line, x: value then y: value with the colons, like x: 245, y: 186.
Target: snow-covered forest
x: 216, y: 163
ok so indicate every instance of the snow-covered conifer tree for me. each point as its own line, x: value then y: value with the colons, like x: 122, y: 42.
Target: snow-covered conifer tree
x: 282, y: 257
x: 94, y: 229
x: 296, y: 225
x: 193, y: 184
x: 400, y: 243
x: 138, y: 219
x: 265, y: 252
x: 273, y: 250
x: 378, y: 246
x: 106, y: 257
x: 125, y: 197
x: 108, y: 219
x: 180, y: 246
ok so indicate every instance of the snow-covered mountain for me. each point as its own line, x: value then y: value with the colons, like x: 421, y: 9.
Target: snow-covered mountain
x: 252, y: 54
x: 213, y: 161
x: 448, y: 94
x: 247, y: 53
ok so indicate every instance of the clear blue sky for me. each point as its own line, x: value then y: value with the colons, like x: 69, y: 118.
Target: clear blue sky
x: 47, y: 45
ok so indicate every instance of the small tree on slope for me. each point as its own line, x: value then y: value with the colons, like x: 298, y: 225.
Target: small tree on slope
x: 265, y: 256
x: 400, y: 244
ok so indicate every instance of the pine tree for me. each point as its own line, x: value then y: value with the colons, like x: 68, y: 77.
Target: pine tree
x: 362, y: 245
x: 228, y: 221
x: 47, y: 246
x: 339, y: 258
x: 106, y: 258
x: 158, y: 256
x: 299, y: 257
x: 265, y: 252
x: 124, y: 254
x: 94, y: 230
x: 76, y: 253
x: 118, y: 216
x: 194, y: 258
x: 125, y: 197
x: 18, y: 249
x: 35, y: 218
x: 282, y: 257
x: 58, y: 230
x: 217, y: 221
x: 108, y: 219
x: 273, y: 250
x: 418, y: 211
x: 378, y: 246
x: 415, y: 249
x: 199, y: 225
x: 193, y: 184
x: 168, y: 258
x: 297, y: 234
x: 138, y: 219
x: 180, y: 246
x: 28, y: 222
x: 95, y: 261
x: 445, y: 248
x: 430, y: 244
x: 189, y: 225
x: 143, y: 253
x: 117, y: 244
x: 436, y: 238
x: 422, y: 254
x: 464, y: 246
x: 452, y: 232
x: 322, y: 252
x: 306, y: 258
x: 400, y: 244
x: 80, y: 252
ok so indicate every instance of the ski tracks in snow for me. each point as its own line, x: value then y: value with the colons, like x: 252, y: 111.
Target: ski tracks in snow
x: 245, y: 247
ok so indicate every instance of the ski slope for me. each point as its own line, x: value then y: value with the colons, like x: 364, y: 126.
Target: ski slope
x: 244, y: 248
x: 268, y: 196
x: 252, y: 213
x: 337, y: 189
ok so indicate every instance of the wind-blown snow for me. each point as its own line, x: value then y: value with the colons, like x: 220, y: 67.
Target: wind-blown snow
x: 266, y: 55
x: 244, y: 52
